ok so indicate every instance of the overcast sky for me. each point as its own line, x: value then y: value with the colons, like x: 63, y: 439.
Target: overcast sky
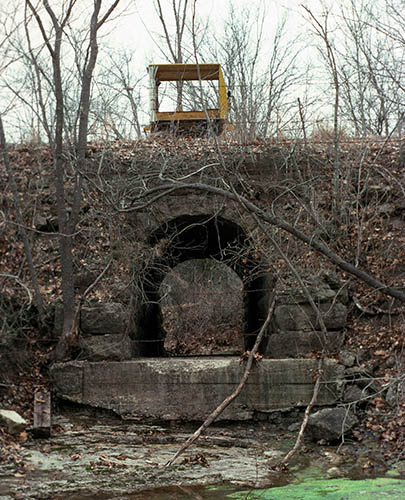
x: 139, y: 28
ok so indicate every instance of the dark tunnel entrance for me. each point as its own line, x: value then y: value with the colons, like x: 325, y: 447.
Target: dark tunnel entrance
x: 197, y: 238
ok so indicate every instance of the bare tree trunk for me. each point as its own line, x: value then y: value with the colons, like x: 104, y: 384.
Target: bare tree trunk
x: 68, y: 222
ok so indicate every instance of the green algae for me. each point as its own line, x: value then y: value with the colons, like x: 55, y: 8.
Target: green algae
x: 331, y: 489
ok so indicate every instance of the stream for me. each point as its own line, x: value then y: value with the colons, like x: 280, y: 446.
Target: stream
x: 99, y: 458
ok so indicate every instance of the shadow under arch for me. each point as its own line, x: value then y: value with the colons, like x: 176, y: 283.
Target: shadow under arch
x: 200, y: 237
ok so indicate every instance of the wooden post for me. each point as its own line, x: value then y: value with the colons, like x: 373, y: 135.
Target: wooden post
x: 42, y: 415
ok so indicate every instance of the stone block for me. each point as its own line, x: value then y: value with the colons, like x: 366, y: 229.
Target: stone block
x: 68, y: 379
x: 316, y: 287
x: 289, y: 317
x: 110, y: 347
x: 295, y: 344
x: 190, y: 388
x: 100, y: 319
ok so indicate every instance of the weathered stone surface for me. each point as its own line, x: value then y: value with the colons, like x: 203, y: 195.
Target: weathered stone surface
x: 330, y: 423
x: 83, y: 279
x: 354, y: 393
x: 396, y: 393
x: 68, y: 378
x: 12, y: 421
x: 202, y: 304
x: 104, y: 318
x: 303, y: 317
x: 285, y: 344
x: 47, y: 222
x: 110, y: 347
x: 347, y: 358
x: 189, y: 389
x: 316, y: 287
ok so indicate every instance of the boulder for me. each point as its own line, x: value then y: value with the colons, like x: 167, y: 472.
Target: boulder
x: 302, y: 317
x: 100, y: 319
x: 330, y: 423
x: 12, y: 421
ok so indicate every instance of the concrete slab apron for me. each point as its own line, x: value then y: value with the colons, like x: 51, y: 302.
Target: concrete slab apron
x: 190, y: 388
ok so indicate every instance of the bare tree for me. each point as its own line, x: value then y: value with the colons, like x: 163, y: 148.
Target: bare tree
x: 321, y: 29
x: 174, y: 39
x: 53, y: 38
x: 260, y: 82
x: 115, y: 88
x: 372, y: 69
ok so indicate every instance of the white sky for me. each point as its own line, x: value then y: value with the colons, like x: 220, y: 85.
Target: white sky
x: 140, y: 27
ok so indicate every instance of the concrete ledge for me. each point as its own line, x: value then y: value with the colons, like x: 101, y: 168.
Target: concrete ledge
x: 190, y: 388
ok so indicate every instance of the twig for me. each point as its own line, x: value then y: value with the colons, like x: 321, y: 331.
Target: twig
x: 17, y: 279
x: 236, y: 392
x: 308, y: 409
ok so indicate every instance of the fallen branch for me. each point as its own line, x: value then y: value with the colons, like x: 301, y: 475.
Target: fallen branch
x: 308, y: 409
x: 213, y: 416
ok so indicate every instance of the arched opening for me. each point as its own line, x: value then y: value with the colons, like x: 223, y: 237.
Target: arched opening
x: 194, y: 238
x: 202, y: 308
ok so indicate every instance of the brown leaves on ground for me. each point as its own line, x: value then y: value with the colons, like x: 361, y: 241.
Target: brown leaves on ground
x: 198, y: 459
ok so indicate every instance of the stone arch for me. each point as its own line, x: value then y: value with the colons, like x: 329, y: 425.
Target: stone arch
x: 188, y: 237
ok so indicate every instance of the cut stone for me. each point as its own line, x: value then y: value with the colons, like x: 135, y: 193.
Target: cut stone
x: 106, y: 318
x: 190, y: 388
x: 284, y: 344
x: 316, y: 287
x: 106, y: 347
x: 303, y: 317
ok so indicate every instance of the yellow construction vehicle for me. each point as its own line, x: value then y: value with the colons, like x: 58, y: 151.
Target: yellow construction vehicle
x: 195, y: 122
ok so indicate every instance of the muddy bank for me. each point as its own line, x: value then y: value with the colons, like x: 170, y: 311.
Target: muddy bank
x: 100, y: 458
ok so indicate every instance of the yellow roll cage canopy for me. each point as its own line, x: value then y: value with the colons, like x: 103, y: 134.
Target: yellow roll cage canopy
x: 186, y: 119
